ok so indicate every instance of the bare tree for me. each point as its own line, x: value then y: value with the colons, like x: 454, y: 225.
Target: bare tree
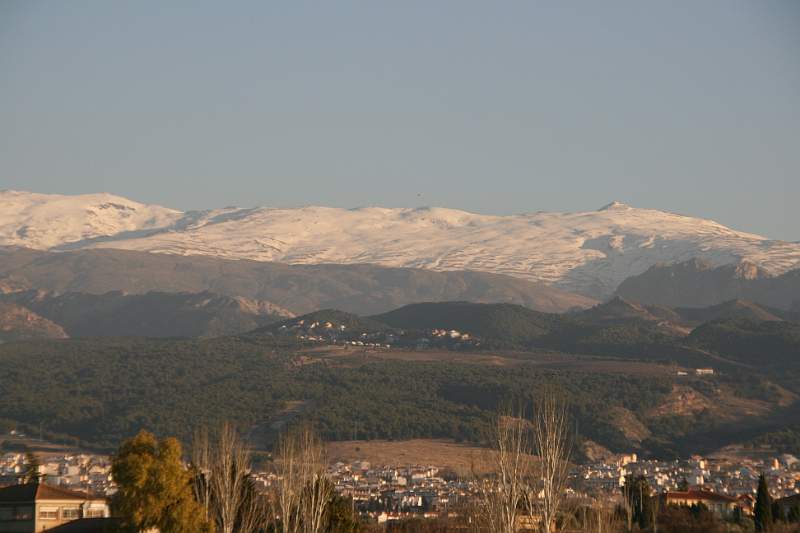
x: 223, y: 483
x: 603, y: 519
x: 551, y: 443
x: 201, y: 462
x: 317, y: 488
x: 289, y: 487
x: 500, y: 497
x: 302, y: 491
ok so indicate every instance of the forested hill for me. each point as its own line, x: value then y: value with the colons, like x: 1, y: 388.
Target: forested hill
x: 99, y: 391
x: 514, y: 323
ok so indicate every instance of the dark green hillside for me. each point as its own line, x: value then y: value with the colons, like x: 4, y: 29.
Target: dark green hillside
x: 766, y: 343
x: 99, y: 391
x: 616, y: 329
x: 732, y: 310
x: 502, y: 323
x: 621, y: 311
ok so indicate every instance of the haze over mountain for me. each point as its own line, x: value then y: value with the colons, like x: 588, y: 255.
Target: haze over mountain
x: 589, y: 252
x: 364, y: 289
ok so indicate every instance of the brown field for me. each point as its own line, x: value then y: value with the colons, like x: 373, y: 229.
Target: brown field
x: 461, y: 458
x: 354, y: 356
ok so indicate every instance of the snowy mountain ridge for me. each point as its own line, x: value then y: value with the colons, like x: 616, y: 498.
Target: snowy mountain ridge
x: 586, y: 252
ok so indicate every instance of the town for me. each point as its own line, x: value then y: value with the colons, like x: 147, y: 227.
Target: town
x: 723, y: 484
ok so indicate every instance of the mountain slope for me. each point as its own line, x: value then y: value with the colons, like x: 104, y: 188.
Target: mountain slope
x: 697, y: 283
x: 361, y: 289
x: 505, y: 322
x: 154, y: 314
x: 18, y: 323
x: 588, y: 252
x: 759, y: 343
x: 618, y: 310
x: 734, y: 309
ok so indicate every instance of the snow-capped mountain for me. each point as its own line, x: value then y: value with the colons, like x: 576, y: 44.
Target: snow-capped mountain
x: 44, y: 221
x: 587, y: 252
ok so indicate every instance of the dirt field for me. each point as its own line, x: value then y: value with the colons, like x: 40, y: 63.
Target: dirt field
x: 442, y: 453
x: 352, y: 356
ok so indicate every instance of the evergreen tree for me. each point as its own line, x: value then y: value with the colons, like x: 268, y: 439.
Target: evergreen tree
x: 341, y: 518
x: 794, y: 514
x: 683, y: 485
x: 777, y: 515
x: 154, y: 487
x: 31, y: 473
x: 638, y: 494
x: 763, y: 509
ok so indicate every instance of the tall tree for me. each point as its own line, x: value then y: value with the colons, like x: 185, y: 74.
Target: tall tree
x: 154, y: 487
x: 223, y: 483
x: 763, y: 510
x: 502, y: 496
x: 639, y: 501
x: 552, y: 445
x: 31, y: 474
x: 302, y: 493
x: 341, y: 516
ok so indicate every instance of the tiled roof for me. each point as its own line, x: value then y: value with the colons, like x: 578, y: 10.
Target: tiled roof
x: 38, y: 491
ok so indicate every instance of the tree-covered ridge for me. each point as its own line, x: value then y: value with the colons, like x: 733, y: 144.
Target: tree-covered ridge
x: 769, y: 343
x: 511, y: 323
x: 99, y: 391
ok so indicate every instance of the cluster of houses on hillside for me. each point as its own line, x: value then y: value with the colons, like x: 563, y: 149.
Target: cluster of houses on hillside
x: 326, y: 332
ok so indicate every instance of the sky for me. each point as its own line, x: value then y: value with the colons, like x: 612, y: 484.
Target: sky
x: 492, y: 107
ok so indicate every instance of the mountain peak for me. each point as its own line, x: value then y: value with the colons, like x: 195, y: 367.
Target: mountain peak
x: 615, y: 205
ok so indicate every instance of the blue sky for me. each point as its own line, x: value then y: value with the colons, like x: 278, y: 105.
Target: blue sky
x: 492, y: 107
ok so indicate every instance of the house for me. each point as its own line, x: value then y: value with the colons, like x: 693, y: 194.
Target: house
x: 34, y: 507
x: 746, y: 503
x: 719, y: 504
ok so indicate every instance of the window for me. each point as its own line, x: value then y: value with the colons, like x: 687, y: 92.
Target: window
x: 95, y: 513
x: 48, y: 514
x: 70, y: 513
x: 6, y: 513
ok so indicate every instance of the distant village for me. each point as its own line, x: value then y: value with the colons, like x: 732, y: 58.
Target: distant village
x: 325, y: 332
